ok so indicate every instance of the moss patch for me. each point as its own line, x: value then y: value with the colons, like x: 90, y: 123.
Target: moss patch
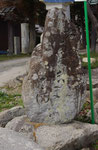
x: 8, y: 101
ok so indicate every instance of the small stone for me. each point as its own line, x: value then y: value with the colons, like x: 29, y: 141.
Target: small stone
x: 85, y: 59
x: 21, y: 125
x: 7, y: 115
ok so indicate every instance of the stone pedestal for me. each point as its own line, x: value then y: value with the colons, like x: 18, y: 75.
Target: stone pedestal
x: 25, y: 37
x: 16, y: 45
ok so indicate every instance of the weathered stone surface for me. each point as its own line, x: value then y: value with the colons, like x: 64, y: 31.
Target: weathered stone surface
x: 94, y: 79
x: 73, y: 136
x: 16, y: 82
x: 21, y: 124
x: 95, y: 94
x: 9, y: 114
x: 95, y: 113
x: 10, y: 140
x: 54, y: 90
x: 94, y: 83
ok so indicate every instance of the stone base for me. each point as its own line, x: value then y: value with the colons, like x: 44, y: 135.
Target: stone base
x: 71, y: 136
x: 11, y: 140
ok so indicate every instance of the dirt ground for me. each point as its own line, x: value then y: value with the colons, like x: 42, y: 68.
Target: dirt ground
x: 9, y: 70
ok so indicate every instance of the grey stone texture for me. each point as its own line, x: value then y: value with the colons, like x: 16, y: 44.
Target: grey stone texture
x: 95, y: 113
x: 21, y: 125
x: 7, y: 115
x: 10, y: 140
x: 95, y: 95
x: 94, y: 79
x: 73, y: 136
x: 54, y: 90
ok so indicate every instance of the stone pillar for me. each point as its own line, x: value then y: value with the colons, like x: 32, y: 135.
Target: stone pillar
x: 16, y: 45
x: 25, y: 37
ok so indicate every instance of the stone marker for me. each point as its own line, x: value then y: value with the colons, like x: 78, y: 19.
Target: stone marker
x: 54, y: 90
x: 10, y: 140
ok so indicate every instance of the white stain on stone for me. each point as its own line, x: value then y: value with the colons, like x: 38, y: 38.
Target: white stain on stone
x: 47, y: 33
x: 51, y: 69
x: 46, y: 63
x: 35, y: 76
x: 48, y: 53
x: 50, y: 24
x: 54, y: 44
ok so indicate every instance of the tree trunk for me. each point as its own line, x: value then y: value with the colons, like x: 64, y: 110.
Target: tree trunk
x: 32, y: 37
x: 92, y: 18
x: 83, y: 38
x: 93, y: 39
x: 83, y: 31
x: 10, y: 38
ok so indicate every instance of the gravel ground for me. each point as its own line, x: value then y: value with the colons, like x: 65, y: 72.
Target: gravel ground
x: 11, y: 69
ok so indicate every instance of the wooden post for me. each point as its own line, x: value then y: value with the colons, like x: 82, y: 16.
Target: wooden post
x: 10, y: 38
x: 93, y: 39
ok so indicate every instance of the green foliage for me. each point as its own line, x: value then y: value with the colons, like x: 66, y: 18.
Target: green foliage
x: 83, y: 114
x: 93, y: 65
x: 9, y: 100
x: 93, y: 55
x: 95, y: 145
